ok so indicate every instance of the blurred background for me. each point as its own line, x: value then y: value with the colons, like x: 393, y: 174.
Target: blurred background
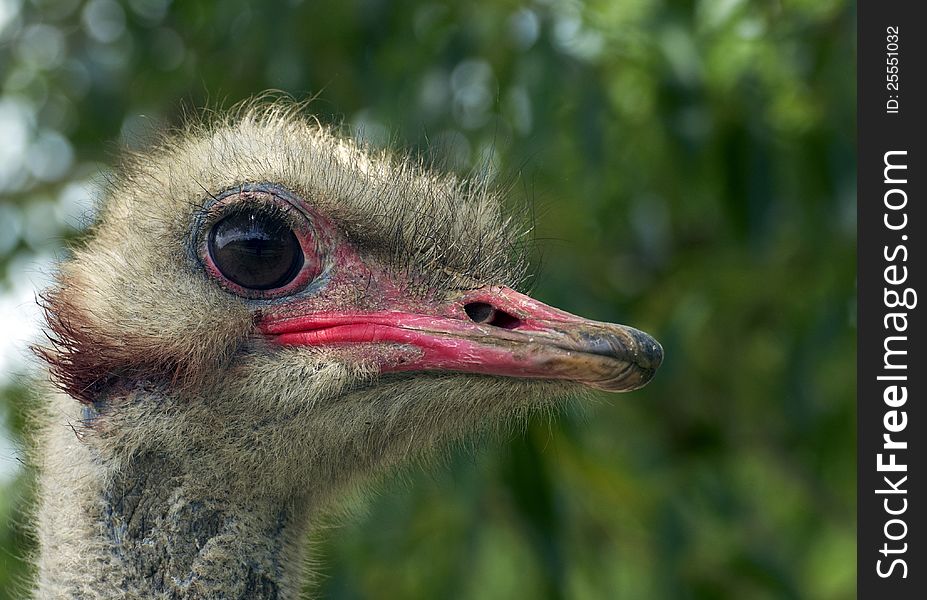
x: 692, y: 167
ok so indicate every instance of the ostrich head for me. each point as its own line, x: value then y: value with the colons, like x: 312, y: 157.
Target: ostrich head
x: 281, y: 311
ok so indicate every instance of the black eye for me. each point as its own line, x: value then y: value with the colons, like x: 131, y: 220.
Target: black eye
x: 255, y: 250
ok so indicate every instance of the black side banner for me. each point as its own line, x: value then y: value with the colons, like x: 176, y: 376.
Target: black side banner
x: 892, y: 370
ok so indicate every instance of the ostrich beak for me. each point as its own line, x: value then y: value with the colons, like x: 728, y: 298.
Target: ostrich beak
x: 493, y: 331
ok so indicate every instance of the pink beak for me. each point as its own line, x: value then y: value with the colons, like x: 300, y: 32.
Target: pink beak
x: 493, y: 331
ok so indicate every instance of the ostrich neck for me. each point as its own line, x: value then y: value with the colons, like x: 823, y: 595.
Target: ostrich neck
x: 149, y: 529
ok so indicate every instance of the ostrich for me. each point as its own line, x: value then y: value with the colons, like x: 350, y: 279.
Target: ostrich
x: 265, y: 317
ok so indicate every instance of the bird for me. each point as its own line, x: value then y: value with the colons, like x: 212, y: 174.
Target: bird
x: 265, y: 317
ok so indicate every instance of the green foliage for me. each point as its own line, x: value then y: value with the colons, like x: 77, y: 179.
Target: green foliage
x: 692, y: 168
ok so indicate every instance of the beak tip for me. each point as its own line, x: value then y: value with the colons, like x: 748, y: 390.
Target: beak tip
x: 651, y: 353
x: 648, y: 358
x: 637, y: 356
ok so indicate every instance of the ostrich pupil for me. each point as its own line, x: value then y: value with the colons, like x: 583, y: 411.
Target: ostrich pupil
x: 256, y: 251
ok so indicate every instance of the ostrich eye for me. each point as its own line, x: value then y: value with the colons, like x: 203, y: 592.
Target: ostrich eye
x: 255, y: 250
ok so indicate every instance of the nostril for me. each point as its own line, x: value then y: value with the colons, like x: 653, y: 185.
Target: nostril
x: 505, y: 320
x: 487, y: 314
x: 479, y: 312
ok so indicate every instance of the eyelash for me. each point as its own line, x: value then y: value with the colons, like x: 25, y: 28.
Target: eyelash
x: 274, y: 207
